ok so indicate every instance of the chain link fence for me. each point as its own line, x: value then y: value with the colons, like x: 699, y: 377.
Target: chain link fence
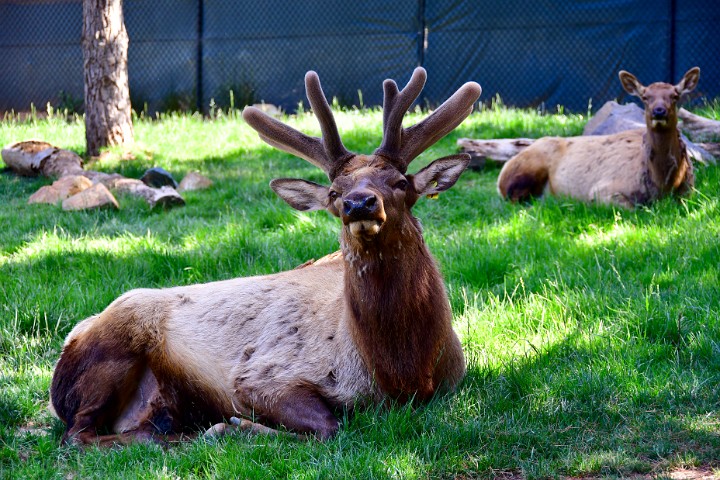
x: 202, y: 54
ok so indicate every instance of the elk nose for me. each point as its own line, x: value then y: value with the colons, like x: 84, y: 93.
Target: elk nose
x: 360, y: 206
x: 659, y: 112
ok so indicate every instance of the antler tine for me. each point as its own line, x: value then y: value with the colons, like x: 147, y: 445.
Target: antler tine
x: 450, y: 114
x: 327, y: 153
x: 334, y: 147
x: 286, y: 138
x: 395, y: 105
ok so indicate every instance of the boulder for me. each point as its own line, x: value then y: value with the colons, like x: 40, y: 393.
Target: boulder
x: 46, y: 194
x: 613, y: 118
x: 194, y: 181
x: 158, y: 177
x: 61, y: 189
x: 107, y: 179
x: 97, y: 196
x: 70, y: 185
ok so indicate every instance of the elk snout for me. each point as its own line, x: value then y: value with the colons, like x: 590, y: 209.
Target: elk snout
x: 363, y: 213
x: 360, y: 206
x: 659, y: 115
x: 659, y: 112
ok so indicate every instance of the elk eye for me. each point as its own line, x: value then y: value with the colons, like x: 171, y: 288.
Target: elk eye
x: 333, y: 195
x: 401, y: 185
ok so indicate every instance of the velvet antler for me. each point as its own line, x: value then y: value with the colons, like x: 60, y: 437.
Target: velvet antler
x: 403, y: 145
x: 327, y: 152
x: 400, y: 145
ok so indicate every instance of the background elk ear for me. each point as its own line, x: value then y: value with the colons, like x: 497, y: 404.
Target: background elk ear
x: 689, y: 81
x: 301, y: 194
x: 631, y: 84
x: 440, y: 174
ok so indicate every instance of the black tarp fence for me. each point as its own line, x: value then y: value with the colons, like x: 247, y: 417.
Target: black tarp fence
x: 186, y: 53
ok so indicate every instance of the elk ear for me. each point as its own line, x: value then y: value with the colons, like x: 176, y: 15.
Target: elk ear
x: 688, y: 82
x: 301, y: 194
x: 631, y: 84
x: 440, y: 174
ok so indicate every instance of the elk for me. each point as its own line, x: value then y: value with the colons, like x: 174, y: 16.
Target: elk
x: 364, y: 326
x: 630, y: 168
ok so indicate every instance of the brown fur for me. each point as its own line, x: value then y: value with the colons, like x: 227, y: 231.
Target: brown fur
x: 288, y: 349
x: 627, y: 168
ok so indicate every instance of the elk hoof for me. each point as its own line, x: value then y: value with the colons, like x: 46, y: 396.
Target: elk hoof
x: 217, y: 430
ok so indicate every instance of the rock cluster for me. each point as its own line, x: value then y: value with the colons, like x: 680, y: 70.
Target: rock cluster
x: 80, y: 189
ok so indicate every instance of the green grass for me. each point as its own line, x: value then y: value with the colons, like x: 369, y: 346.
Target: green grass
x: 592, y: 334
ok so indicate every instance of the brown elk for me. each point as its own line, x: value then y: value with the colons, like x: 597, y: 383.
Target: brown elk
x: 627, y: 168
x: 362, y: 326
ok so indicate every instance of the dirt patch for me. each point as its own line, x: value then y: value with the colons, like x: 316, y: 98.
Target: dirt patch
x: 695, y: 474
x: 700, y: 473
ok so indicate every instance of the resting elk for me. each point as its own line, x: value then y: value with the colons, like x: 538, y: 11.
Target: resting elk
x: 363, y: 326
x: 629, y: 168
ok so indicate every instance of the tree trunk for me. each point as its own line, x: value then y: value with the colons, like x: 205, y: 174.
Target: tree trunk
x: 107, y: 96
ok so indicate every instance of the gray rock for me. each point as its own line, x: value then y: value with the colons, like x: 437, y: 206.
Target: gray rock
x: 157, y: 177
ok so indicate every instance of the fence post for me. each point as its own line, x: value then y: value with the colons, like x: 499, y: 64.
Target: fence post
x: 199, y: 64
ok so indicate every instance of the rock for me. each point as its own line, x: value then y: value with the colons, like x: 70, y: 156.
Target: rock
x: 194, y: 181
x: 158, y: 177
x: 71, y: 185
x: 97, y: 196
x: 166, y: 197
x: 107, y: 179
x: 129, y: 185
x: 613, y: 118
x: 61, y: 189
x: 46, y: 194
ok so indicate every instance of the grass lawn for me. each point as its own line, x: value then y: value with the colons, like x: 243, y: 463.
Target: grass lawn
x: 592, y: 334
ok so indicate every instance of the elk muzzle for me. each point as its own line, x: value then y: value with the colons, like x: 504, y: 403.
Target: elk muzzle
x: 363, y: 213
x: 659, y: 116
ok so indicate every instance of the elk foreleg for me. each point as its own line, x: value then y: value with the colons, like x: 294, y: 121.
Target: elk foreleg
x: 300, y: 409
x: 241, y: 424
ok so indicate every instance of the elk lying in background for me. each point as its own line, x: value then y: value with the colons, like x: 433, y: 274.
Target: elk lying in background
x: 626, y: 168
x: 289, y: 349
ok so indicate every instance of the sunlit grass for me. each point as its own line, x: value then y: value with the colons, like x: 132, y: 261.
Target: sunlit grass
x: 592, y: 334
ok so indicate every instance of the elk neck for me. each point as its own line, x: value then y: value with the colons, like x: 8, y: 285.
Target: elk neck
x: 665, y: 153
x: 398, y: 310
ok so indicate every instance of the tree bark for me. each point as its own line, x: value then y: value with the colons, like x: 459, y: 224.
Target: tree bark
x: 107, y: 95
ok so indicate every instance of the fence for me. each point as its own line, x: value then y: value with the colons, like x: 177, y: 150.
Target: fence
x: 183, y: 53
